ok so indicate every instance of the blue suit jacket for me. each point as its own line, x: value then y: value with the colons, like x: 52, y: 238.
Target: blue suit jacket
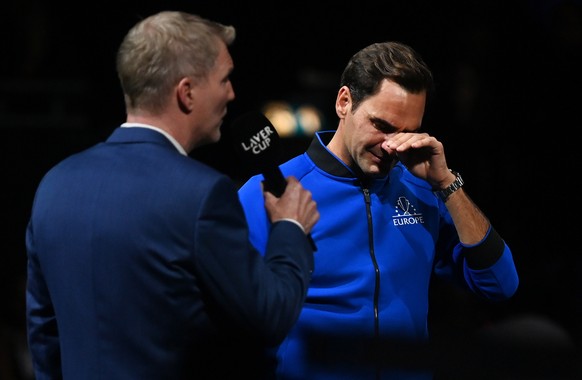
x: 139, y: 267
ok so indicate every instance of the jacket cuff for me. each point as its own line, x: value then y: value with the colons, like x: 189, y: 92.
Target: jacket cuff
x: 487, y: 252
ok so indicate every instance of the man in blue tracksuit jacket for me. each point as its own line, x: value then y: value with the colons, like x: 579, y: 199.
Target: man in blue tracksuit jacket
x: 392, y: 214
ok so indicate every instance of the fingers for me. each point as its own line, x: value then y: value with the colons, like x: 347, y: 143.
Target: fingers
x: 295, y: 203
x: 421, y: 153
x: 401, y: 142
x: 307, y: 213
x: 312, y: 217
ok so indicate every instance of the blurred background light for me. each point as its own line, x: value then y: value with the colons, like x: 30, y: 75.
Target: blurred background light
x: 294, y: 120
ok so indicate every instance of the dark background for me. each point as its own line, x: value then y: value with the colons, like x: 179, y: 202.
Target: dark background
x: 507, y: 106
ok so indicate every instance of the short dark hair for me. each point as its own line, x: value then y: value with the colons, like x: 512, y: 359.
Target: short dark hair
x: 394, y: 61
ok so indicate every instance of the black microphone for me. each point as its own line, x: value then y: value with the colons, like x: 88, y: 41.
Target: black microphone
x: 257, y: 143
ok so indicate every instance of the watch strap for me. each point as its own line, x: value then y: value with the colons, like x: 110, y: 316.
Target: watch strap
x: 456, y: 185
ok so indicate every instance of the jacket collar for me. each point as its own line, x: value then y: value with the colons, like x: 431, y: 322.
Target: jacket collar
x: 139, y: 135
x: 329, y: 162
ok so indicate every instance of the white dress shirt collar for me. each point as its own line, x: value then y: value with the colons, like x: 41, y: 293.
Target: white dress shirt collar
x: 168, y: 136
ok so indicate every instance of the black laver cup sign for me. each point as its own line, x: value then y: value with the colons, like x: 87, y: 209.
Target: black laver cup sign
x: 257, y: 143
x: 260, y: 141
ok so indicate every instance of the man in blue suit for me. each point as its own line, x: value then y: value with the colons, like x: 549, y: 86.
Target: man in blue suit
x: 139, y: 263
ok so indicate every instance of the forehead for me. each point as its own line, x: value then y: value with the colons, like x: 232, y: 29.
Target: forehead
x: 396, y: 106
x: 224, y: 63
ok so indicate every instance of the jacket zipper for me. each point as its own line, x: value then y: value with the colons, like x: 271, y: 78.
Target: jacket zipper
x: 368, y: 201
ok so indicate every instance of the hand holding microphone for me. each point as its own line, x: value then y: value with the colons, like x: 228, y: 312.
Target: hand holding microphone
x: 257, y: 144
x: 295, y: 203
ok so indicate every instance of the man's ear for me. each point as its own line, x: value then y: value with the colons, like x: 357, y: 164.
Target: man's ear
x: 343, y: 102
x: 185, y: 94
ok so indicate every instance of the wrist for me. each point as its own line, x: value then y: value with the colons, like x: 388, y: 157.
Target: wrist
x: 295, y: 222
x: 446, y: 192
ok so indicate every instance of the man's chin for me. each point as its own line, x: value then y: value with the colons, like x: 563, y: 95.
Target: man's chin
x: 382, y: 169
x: 377, y: 172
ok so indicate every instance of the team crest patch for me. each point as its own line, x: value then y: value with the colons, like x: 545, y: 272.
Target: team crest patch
x: 405, y: 213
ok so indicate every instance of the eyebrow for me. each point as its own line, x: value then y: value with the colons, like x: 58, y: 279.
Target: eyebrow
x: 386, y: 126
x: 228, y: 75
x: 383, y: 124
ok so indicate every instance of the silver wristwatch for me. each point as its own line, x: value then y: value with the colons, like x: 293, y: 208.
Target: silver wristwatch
x: 456, y: 185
